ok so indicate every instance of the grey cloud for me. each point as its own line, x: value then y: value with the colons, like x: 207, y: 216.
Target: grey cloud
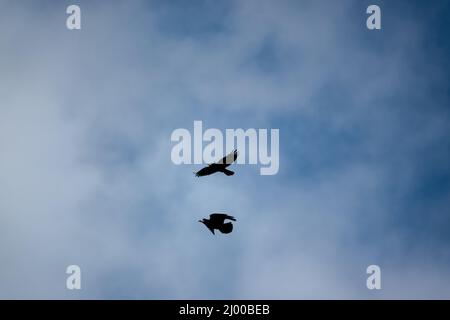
x: 85, y: 123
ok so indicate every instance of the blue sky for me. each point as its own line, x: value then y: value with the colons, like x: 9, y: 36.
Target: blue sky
x: 85, y: 124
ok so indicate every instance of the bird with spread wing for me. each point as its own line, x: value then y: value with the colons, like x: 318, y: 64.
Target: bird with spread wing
x: 217, y: 221
x: 220, y: 166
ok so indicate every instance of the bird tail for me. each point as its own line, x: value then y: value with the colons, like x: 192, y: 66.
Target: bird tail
x: 226, y: 228
x: 228, y: 172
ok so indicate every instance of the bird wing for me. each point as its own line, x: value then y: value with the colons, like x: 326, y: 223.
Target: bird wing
x: 228, y: 159
x: 230, y: 218
x: 220, y: 217
x: 206, y: 171
x: 211, y: 229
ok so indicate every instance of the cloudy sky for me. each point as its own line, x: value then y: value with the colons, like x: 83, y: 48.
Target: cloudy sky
x: 86, y: 176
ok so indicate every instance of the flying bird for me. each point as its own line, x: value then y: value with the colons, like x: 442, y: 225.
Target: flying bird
x: 217, y: 221
x: 219, y: 166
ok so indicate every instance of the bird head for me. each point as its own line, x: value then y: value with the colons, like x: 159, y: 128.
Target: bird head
x: 204, y: 221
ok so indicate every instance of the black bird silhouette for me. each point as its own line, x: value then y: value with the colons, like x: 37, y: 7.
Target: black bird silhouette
x: 217, y: 221
x: 220, y: 166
